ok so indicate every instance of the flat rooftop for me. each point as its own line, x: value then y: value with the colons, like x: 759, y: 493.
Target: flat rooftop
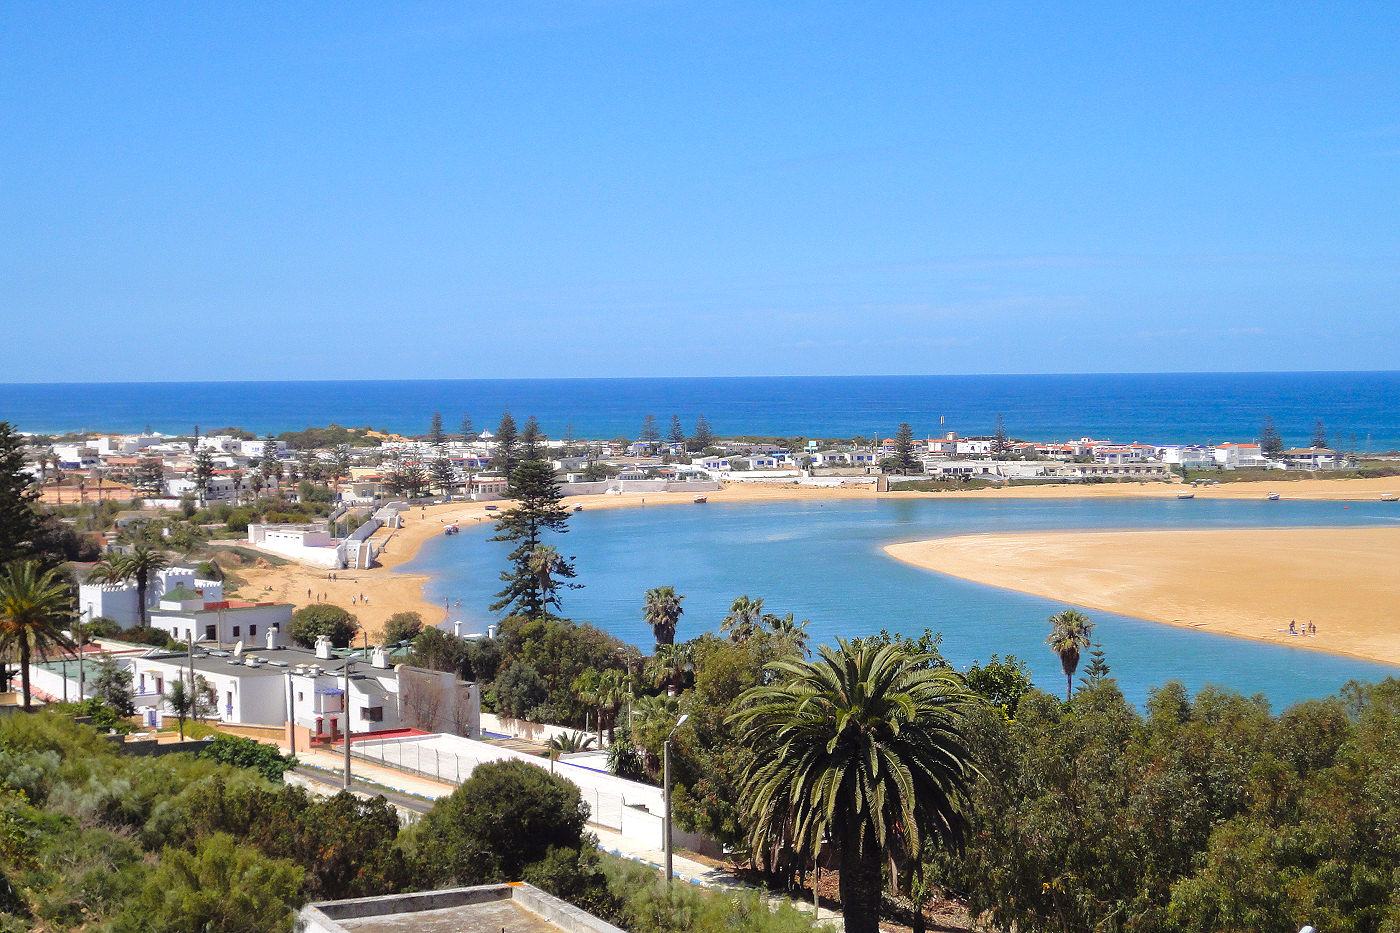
x: 487, y: 908
x: 505, y: 916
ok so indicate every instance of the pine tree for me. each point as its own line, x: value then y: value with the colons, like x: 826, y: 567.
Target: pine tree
x: 1270, y: 443
x: 269, y: 465
x: 531, y: 440
x: 568, y: 440
x: 649, y: 434
x: 1319, y: 437
x: 507, y: 439
x: 703, y: 436
x: 469, y: 432
x: 149, y: 477
x: 435, y: 435
x: 904, y: 448
x: 20, y: 522
x: 677, y: 432
x: 1097, y: 670
x: 1001, y: 444
x: 538, y: 509
x: 203, y: 471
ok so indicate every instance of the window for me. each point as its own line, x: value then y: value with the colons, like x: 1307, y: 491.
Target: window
x: 252, y: 631
x: 235, y: 631
x: 372, y: 713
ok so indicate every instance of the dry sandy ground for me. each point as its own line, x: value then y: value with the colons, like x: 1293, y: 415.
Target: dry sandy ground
x: 391, y: 591
x: 1245, y: 582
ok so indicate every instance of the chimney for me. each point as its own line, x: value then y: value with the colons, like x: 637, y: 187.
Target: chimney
x: 323, y: 647
x: 274, y: 637
x: 457, y: 628
x: 491, y: 630
x: 379, y: 658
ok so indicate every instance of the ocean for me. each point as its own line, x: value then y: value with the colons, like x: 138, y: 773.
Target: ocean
x: 824, y: 561
x: 1361, y: 411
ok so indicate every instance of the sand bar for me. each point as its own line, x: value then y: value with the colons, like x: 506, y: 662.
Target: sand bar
x: 390, y: 591
x: 1248, y: 583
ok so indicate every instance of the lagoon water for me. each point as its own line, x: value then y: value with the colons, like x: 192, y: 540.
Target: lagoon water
x: 824, y: 561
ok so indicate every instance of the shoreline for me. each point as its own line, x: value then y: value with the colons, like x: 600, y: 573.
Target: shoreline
x: 392, y: 590
x: 1242, y: 583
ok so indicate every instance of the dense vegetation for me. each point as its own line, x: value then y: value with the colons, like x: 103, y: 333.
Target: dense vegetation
x: 92, y: 839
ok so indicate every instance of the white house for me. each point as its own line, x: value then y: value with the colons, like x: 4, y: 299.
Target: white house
x: 118, y: 601
x: 304, y: 690
x: 307, y: 544
x: 1313, y: 458
x: 219, y: 488
x: 1190, y: 456
x: 185, y: 615
x: 254, y: 449
x: 1241, y: 456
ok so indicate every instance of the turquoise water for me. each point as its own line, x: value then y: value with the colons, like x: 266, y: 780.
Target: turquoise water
x: 823, y: 561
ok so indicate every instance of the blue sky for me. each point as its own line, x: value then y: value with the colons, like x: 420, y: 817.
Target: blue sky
x: 226, y: 191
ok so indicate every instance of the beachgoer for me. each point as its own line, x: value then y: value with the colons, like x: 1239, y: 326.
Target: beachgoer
x: 1292, y: 627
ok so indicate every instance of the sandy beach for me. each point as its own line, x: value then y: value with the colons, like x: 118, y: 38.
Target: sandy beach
x: 1248, y: 583
x: 390, y: 591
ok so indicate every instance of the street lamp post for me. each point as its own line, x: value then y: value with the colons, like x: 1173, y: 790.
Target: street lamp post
x: 345, y: 704
x: 666, y: 784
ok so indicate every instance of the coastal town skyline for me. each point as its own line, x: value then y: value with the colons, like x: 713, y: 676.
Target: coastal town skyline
x: 657, y: 189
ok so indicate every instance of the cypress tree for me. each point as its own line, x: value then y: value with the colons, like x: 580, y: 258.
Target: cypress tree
x: 20, y: 522
x: 531, y: 440
x: 904, y: 448
x: 1270, y: 443
x: 469, y: 432
x: 435, y: 435
x: 677, y: 432
x: 649, y: 434
x: 1001, y: 444
x: 538, y: 509
x: 506, y: 451
x: 703, y: 437
x: 1319, y: 438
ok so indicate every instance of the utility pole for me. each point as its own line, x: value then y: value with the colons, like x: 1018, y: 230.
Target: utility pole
x: 346, y: 704
x: 666, y: 784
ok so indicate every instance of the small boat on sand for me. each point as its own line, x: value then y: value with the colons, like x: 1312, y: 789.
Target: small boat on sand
x: 1186, y: 495
x: 578, y: 508
x: 1389, y: 497
x: 701, y: 499
x: 1273, y: 497
x: 451, y: 529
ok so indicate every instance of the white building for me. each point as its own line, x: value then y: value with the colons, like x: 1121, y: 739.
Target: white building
x: 118, y: 601
x: 311, y: 544
x: 1241, y: 457
x: 273, y: 684
x: 254, y: 449
x: 185, y: 615
x: 219, y: 488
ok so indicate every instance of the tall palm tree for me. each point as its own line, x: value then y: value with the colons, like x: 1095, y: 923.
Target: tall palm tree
x: 662, y: 612
x: 35, y: 605
x: 669, y: 666
x: 788, y: 627
x: 1069, y: 635
x: 107, y: 570
x: 743, y: 619
x: 860, y: 748
x: 140, y: 565
x: 547, y: 565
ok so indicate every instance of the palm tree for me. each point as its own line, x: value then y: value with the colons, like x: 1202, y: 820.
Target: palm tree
x: 669, y: 666
x: 1069, y: 635
x: 34, y: 607
x: 743, y: 619
x: 862, y: 749
x: 107, y: 570
x: 788, y: 627
x: 663, y: 613
x: 140, y: 565
x: 546, y: 564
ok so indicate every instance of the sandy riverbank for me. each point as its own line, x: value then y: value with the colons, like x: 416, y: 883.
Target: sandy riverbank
x: 1248, y: 583
x: 391, y: 591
